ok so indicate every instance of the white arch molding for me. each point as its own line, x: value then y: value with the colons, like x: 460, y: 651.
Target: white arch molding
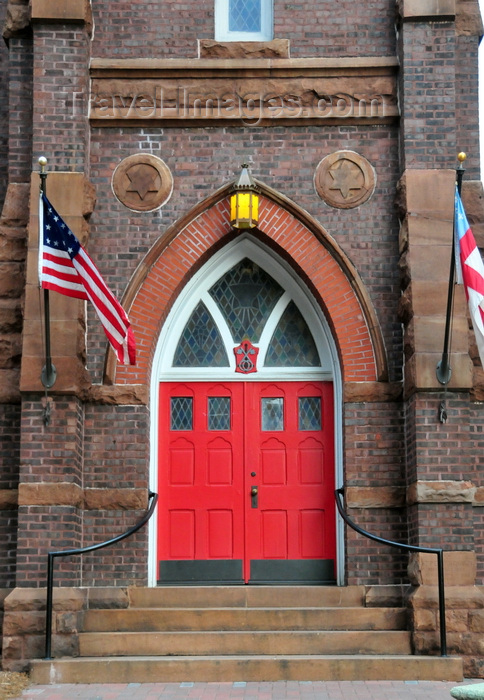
x: 196, y: 289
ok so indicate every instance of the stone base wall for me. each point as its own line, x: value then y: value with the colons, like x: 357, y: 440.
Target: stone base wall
x: 464, y: 609
x: 24, y: 621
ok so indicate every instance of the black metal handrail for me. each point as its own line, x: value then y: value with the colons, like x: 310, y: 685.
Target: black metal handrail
x: 83, y: 550
x: 409, y: 547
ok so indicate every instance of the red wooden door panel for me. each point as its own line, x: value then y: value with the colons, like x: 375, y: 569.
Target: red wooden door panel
x: 246, y: 482
x: 290, y: 449
x: 200, y: 517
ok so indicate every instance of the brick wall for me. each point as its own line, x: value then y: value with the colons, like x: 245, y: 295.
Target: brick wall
x: 20, y: 109
x: 428, y: 97
x: 60, y: 94
x: 284, y: 159
x: 3, y: 108
x: 323, y: 28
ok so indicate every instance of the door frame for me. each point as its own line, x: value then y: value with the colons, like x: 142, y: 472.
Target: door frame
x: 245, y: 246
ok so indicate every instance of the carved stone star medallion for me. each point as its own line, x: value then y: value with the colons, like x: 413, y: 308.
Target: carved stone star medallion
x: 143, y: 178
x: 142, y: 182
x: 344, y: 179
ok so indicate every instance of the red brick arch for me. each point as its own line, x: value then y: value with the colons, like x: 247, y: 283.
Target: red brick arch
x: 316, y: 256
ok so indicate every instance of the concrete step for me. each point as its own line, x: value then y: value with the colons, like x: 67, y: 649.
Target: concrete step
x: 246, y: 596
x: 161, y: 620
x: 235, y: 643
x: 176, y: 669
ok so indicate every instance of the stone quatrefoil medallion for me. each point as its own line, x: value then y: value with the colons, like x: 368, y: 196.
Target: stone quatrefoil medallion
x: 142, y: 182
x: 344, y: 179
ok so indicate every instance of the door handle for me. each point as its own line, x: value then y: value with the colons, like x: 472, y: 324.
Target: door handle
x: 254, y: 491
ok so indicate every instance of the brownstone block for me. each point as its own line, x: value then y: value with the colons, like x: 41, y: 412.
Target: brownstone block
x: 426, y: 334
x: 115, y: 499
x: 110, y: 597
x: 420, y: 372
x: 12, y: 279
x: 65, y: 10
x: 468, y: 20
x: 8, y: 499
x: 424, y: 620
x: 428, y: 192
x: 10, y: 386
x: 72, y: 376
x: 277, y: 48
x: 54, y: 494
x: 411, y: 10
x: 375, y: 497
x: 425, y: 299
x: 424, y: 231
x: 459, y: 571
x: 445, y: 491
x: 473, y: 201
x: 476, y: 621
x: 118, y: 395
x: 15, y: 212
x: 22, y: 623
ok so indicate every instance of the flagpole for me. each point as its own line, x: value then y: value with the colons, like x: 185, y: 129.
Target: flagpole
x: 444, y: 371
x: 48, y: 374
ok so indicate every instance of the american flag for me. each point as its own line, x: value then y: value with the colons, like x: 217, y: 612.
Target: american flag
x: 470, y: 272
x: 65, y: 267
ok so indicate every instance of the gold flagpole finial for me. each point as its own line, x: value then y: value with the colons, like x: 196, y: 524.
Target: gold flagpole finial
x: 42, y: 163
x: 461, y: 157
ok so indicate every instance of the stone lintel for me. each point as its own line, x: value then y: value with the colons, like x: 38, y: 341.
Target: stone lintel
x: 233, y: 89
x: 440, y: 492
x: 375, y: 496
x: 430, y: 10
x: 69, y: 494
x: 459, y: 569
x: 371, y: 392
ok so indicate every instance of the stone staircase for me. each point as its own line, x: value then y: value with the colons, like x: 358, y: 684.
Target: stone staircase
x: 230, y: 633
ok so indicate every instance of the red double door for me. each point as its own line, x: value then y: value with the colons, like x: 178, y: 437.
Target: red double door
x: 246, y: 483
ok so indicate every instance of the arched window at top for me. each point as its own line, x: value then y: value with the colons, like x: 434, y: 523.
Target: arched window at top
x: 243, y: 20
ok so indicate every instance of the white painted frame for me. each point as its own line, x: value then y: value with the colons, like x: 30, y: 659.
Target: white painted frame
x: 222, y: 32
x: 197, y: 289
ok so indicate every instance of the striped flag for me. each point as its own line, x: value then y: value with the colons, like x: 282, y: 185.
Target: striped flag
x: 470, y: 272
x: 65, y: 267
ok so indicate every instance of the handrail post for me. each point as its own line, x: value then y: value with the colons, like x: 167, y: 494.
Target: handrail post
x: 443, y: 625
x: 153, y: 497
x: 49, y: 606
x: 409, y: 548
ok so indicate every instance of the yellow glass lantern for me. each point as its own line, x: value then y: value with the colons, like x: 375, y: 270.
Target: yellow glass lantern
x: 244, y: 201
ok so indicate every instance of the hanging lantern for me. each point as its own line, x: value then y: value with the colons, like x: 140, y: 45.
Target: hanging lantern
x: 244, y: 201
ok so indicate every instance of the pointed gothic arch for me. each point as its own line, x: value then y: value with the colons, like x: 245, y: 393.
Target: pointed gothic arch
x: 295, y: 236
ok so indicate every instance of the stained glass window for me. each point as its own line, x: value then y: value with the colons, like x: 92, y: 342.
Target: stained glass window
x: 246, y: 296
x: 201, y: 344
x: 181, y: 415
x: 272, y: 411
x: 292, y: 344
x: 244, y: 15
x: 219, y: 412
x: 310, y: 413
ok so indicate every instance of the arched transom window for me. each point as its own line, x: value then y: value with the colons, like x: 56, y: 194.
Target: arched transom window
x: 249, y: 319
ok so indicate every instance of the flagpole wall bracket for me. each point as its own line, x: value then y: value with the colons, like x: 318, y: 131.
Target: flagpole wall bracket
x: 443, y: 372
x: 48, y: 376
